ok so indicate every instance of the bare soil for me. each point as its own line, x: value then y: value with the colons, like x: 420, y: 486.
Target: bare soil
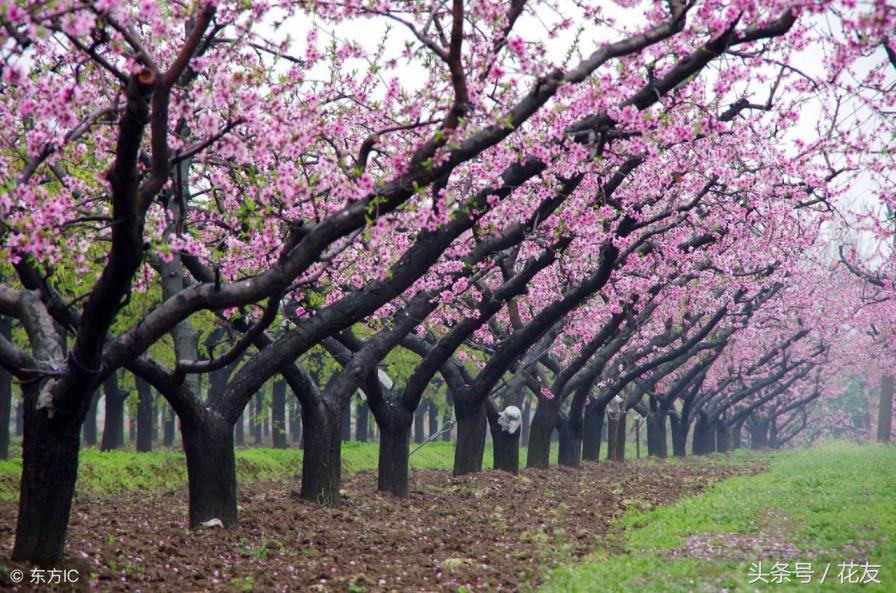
x: 487, y: 532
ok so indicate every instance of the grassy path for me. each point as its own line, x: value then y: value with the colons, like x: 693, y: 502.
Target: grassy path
x: 815, y: 511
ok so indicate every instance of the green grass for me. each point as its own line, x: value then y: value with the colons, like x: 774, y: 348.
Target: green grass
x: 115, y: 472
x: 835, y: 503
x: 129, y: 471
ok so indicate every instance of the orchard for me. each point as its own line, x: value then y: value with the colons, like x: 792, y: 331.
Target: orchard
x: 352, y: 278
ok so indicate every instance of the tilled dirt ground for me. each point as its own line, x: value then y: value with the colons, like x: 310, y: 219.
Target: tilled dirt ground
x: 488, y: 532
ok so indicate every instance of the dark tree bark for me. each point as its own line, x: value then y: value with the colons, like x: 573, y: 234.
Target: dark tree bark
x: 420, y: 422
x: 211, y: 470
x: 543, y: 423
x: 145, y: 415
x: 295, y: 421
x: 612, y: 440
x: 6, y: 394
x: 446, y: 419
x: 278, y: 414
x: 132, y: 426
x: 758, y: 434
x: 471, y: 427
x: 392, y: 470
x: 723, y: 437
x: 656, y: 432
x: 88, y: 430
x: 680, y: 430
x: 885, y: 410
x: 433, y: 418
x: 704, y: 440
x: 362, y: 419
x: 616, y: 437
x: 571, y: 431
x: 217, y: 383
x: 592, y: 432
x: 168, y: 426
x: 710, y: 439
x: 570, y: 445
x: 737, y: 435
x: 239, y: 430
x: 698, y: 439
x: 447, y: 416
x: 113, y: 427
x: 527, y: 420
x: 345, y: 422
x: 49, y: 470
x: 20, y: 419
x: 322, y: 461
x: 505, y: 445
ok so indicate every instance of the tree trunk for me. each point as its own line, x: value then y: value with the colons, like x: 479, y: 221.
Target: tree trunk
x: 591, y: 432
x: 612, y: 440
x: 420, y: 422
x: 113, y: 427
x: 20, y: 419
x: 680, y: 429
x: 345, y: 422
x: 704, y: 440
x: 698, y: 439
x: 217, y: 383
x: 362, y: 420
x: 88, y: 429
x: 885, y: 409
x: 737, y: 435
x: 656, y: 434
x: 620, y: 435
x: 49, y: 471
x: 392, y: 471
x: 505, y: 446
x: 145, y: 415
x: 723, y: 437
x: 446, y: 419
x: 570, y: 453
x: 471, y: 426
x: 295, y: 421
x: 322, y: 461
x: 616, y: 437
x: 543, y: 422
x: 266, y: 423
x: 527, y: 421
x: 168, y: 426
x: 710, y: 440
x: 239, y: 430
x: 278, y: 414
x: 758, y: 435
x: 211, y: 470
x: 433, y: 419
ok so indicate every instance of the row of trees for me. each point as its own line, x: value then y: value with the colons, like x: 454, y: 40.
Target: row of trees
x: 625, y: 225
